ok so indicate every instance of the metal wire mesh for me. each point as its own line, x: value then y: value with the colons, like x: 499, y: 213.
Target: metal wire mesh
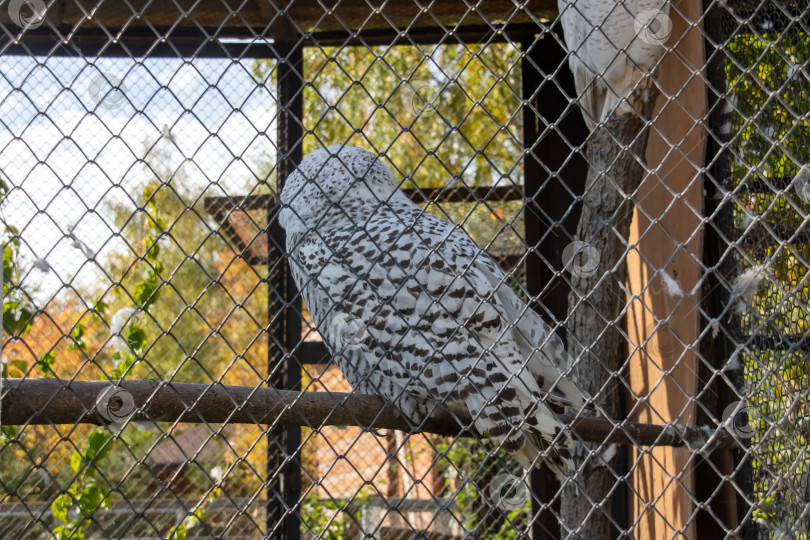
x: 143, y: 152
x: 766, y: 49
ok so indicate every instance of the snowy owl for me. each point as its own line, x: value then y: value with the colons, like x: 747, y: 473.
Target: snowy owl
x: 414, y: 312
x: 614, y: 46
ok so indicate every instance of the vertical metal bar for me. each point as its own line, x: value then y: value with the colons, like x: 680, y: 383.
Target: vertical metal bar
x: 284, y: 370
x: 736, y: 464
x: 551, y: 128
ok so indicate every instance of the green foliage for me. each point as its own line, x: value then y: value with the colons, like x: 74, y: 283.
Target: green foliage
x: 15, y: 368
x: 180, y: 531
x: 18, y: 314
x: 330, y: 519
x: 45, y: 363
x: 88, y: 492
x: 96, y: 447
x: 769, y: 125
x: 771, y: 103
x: 17, y: 319
x: 100, y: 307
x: 77, y: 342
x: 7, y: 433
x: 438, y: 115
x: 145, y: 293
x: 144, y: 279
x: 136, y: 338
x: 76, y: 507
x: 197, y: 319
x: 469, y: 463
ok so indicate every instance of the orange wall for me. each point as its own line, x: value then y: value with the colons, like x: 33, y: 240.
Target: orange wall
x: 667, y: 230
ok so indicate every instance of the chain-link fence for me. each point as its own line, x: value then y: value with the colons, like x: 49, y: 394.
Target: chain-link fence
x: 764, y: 131
x: 191, y: 350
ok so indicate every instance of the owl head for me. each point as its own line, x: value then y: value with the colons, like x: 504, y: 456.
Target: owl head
x: 338, y: 182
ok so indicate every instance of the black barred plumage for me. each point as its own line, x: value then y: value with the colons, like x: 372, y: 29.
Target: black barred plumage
x: 440, y: 325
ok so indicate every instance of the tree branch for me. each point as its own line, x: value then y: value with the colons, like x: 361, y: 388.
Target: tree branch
x: 56, y: 401
x: 597, y: 300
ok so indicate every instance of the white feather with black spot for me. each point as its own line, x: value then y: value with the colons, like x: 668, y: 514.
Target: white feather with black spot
x: 613, y: 46
x: 440, y: 326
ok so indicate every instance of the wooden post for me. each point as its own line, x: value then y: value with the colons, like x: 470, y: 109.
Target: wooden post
x: 283, y: 481
x: 553, y: 179
x: 596, y: 306
x: 51, y: 401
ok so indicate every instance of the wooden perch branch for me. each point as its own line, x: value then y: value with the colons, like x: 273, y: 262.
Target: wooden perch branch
x: 56, y: 401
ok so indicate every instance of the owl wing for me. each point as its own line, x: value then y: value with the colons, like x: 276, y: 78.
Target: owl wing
x: 575, y: 17
x: 607, y: 56
x: 439, y: 325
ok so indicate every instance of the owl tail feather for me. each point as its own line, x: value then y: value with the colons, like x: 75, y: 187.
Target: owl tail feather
x: 536, y: 451
x: 546, y: 440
